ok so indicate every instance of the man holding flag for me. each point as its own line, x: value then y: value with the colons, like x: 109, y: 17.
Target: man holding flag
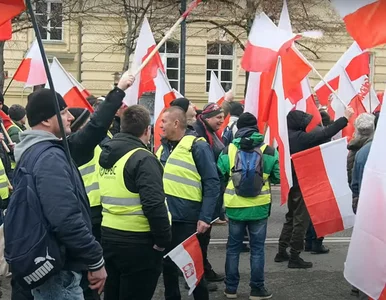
x: 192, y: 188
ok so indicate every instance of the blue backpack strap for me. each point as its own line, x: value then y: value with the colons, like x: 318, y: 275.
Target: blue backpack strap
x: 33, y: 154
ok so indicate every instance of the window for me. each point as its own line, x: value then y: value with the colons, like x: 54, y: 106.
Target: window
x: 49, y: 15
x: 220, y: 61
x: 170, y: 54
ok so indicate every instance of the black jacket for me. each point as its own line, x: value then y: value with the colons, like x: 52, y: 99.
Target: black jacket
x: 300, y: 140
x: 116, y: 128
x: 63, y: 197
x: 143, y: 174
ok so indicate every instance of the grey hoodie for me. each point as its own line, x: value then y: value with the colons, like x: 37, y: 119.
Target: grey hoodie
x: 29, y: 138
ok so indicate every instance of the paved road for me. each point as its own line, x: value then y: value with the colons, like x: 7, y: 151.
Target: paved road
x: 323, y: 282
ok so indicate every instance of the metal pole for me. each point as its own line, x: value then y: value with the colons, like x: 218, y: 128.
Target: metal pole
x: 49, y: 78
x: 183, y: 51
x: 80, y: 41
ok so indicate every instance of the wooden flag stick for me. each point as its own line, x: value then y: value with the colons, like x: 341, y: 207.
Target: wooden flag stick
x: 165, y: 38
x: 5, y: 146
x: 6, y: 133
x: 318, y: 74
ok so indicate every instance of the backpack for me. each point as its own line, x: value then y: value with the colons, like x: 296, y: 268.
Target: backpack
x: 247, y: 173
x: 31, y: 248
x: 227, y: 136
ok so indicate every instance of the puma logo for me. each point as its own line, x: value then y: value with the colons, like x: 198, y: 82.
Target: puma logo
x: 41, y: 259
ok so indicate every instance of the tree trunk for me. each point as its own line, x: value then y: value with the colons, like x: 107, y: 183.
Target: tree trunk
x: 2, y: 63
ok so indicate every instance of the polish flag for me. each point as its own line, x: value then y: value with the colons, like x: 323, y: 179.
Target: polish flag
x: 164, y: 95
x: 368, y: 96
x: 65, y: 87
x: 31, y: 69
x: 10, y: 9
x: 216, y: 91
x: 307, y: 104
x: 85, y: 93
x: 279, y: 109
x: 6, y: 31
x: 329, y: 198
x: 265, y: 43
x: 365, y: 266
x: 356, y: 63
x: 188, y: 257
x: 6, y: 120
x: 178, y: 94
x: 144, y: 81
x: 365, y: 20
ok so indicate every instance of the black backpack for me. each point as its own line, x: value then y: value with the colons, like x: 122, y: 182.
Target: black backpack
x: 247, y: 173
x: 31, y: 249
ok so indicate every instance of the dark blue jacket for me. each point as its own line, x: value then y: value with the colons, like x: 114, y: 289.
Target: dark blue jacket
x: 359, y: 167
x: 60, y: 187
x: 186, y: 211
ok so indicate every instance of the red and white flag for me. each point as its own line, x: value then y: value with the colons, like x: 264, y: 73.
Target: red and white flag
x: 322, y: 176
x: 356, y: 63
x: 365, y: 266
x: 265, y: 43
x: 31, y: 69
x: 6, y: 31
x: 178, y: 94
x: 65, y: 87
x: 188, y: 257
x: 368, y: 96
x: 144, y: 81
x: 365, y: 20
x: 307, y: 104
x: 216, y: 91
x: 85, y: 93
x: 279, y: 109
x: 164, y: 95
x: 10, y: 9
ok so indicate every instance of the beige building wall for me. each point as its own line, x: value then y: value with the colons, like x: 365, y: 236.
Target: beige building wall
x: 100, y: 58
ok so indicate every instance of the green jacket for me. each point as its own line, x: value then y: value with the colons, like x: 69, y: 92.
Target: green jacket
x: 13, y: 132
x: 270, y: 165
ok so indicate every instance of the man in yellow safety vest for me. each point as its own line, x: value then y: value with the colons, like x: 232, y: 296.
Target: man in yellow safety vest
x: 135, y: 223
x: 192, y: 188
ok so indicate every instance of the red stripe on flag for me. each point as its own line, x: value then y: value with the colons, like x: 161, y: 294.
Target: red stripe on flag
x: 168, y: 98
x: 6, y: 31
x: 10, y: 9
x: 192, y: 246
x: 320, y: 201
x: 149, y: 72
x: 23, y: 70
x: 74, y: 98
x: 312, y: 109
x: 367, y: 24
x: 258, y: 59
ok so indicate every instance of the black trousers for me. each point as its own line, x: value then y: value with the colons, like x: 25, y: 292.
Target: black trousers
x: 180, y: 232
x: 296, y: 224
x: 133, y: 270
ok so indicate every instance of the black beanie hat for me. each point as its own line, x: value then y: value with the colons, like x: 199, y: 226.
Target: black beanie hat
x: 41, y: 107
x: 236, y: 109
x: 80, y: 115
x: 16, y: 112
x: 246, y: 120
x: 181, y: 102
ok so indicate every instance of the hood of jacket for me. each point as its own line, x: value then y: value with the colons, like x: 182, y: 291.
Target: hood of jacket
x: 356, y: 143
x: 248, y: 138
x: 298, y: 120
x: 117, y: 147
x: 29, y: 138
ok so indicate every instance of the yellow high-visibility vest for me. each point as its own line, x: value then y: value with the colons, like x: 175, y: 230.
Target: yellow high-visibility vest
x: 181, y: 178
x: 4, y: 183
x: 232, y: 200
x: 122, y: 209
x: 90, y: 176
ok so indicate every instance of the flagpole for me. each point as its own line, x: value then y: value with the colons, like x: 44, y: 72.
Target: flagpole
x: 166, y: 37
x: 189, y: 238
x: 318, y: 74
x: 49, y: 78
x: 9, y: 84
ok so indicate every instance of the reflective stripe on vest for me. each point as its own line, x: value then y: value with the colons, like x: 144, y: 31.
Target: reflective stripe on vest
x: 4, y: 190
x: 122, y: 209
x: 90, y: 176
x: 159, y: 152
x: 181, y: 178
x: 232, y: 200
